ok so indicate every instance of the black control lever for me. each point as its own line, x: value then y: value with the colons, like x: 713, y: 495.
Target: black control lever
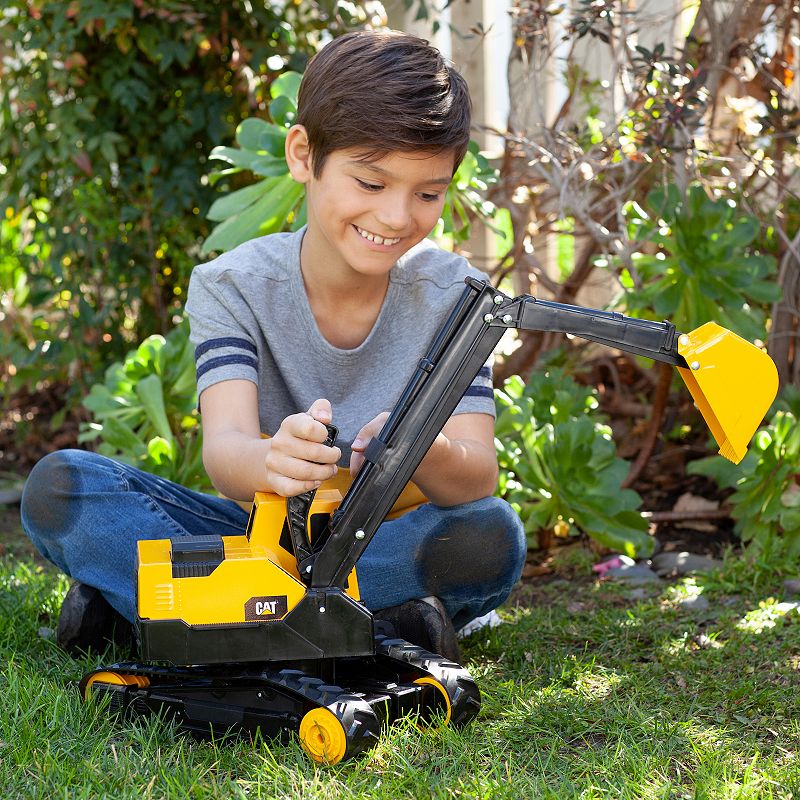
x: 297, y: 508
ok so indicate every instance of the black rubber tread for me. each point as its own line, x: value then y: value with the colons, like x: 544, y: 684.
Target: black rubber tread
x: 463, y: 692
x: 360, y: 722
x: 361, y: 725
x: 378, y: 689
x: 299, y: 683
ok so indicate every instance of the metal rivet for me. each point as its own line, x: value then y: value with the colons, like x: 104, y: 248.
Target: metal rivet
x: 360, y: 534
x: 488, y: 317
x: 684, y: 340
x: 498, y: 299
x: 507, y: 318
x: 322, y: 609
x: 695, y: 365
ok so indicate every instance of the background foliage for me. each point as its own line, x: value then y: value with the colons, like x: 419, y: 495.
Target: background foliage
x: 107, y: 112
x: 145, y: 411
x: 559, y: 466
x: 138, y: 137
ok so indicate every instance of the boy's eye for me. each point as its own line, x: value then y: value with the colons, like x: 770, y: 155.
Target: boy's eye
x: 429, y: 197
x: 370, y: 187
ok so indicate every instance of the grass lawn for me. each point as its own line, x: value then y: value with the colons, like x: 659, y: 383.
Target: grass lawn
x: 589, y: 690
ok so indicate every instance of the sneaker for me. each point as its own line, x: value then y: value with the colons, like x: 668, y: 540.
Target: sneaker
x: 88, y: 622
x: 490, y: 620
x: 424, y: 623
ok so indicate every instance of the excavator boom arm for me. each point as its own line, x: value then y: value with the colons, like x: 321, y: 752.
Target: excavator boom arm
x: 464, y: 343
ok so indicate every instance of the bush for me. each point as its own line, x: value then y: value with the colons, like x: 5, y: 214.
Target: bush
x: 705, y: 265
x: 766, y: 499
x: 558, y: 463
x: 145, y: 412
x: 107, y: 110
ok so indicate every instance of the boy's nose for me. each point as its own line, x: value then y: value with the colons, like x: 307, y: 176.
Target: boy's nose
x: 394, y: 213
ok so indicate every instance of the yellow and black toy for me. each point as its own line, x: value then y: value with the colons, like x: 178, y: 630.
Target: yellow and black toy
x: 265, y: 630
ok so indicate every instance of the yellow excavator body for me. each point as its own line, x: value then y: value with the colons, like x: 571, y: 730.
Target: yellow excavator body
x: 732, y: 382
x: 256, y: 581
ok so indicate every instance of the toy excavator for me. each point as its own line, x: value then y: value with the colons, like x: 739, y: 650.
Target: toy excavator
x: 266, y: 631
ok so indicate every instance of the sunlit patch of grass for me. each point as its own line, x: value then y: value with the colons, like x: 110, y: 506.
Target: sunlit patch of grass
x: 766, y: 616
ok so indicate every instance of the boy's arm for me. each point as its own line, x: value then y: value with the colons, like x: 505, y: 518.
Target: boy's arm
x: 461, y: 465
x: 240, y: 463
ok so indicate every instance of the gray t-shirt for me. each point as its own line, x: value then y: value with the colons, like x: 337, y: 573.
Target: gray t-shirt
x: 250, y: 319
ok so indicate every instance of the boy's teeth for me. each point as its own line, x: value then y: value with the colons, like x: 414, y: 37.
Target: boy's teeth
x: 372, y: 237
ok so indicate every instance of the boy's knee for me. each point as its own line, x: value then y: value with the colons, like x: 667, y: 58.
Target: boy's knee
x: 52, y: 484
x: 480, y: 543
x: 503, y: 541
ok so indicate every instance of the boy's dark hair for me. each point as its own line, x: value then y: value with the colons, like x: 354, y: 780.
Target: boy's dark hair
x: 383, y: 92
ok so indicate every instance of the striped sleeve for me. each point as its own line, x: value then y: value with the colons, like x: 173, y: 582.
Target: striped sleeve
x: 479, y: 397
x: 224, y: 350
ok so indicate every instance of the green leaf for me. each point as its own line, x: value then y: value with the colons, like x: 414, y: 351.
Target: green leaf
x: 270, y: 166
x: 161, y: 450
x: 742, y: 233
x: 286, y: 85
x: 151, y: 392
x: 250, y: 131
x: 243, y: 159
x: 273, y: 141
x: 236, y: 202
x: 282, y: 110
x: 122, y: 437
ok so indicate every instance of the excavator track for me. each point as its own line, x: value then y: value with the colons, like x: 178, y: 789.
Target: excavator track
x: 335, y: 719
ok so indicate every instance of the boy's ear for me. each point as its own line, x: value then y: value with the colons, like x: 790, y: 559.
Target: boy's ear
x: 298, y: 154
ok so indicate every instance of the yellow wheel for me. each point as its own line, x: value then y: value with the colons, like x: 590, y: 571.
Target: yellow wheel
x: 322, y: 736
x: 443, y: 695
x: 115, y: 679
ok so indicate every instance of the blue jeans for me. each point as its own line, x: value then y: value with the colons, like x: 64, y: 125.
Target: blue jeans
x: 85, y: 513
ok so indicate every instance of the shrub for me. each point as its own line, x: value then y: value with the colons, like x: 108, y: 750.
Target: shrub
x: 705, y: 265
x: 145, y: 411
x: 108, y: 109
x: 559, y: 466
x: 766, y: 499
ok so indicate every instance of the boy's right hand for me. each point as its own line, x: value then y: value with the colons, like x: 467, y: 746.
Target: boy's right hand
x: 297, y: 460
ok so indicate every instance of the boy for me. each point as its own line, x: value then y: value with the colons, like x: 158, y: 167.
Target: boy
x: 324, y: 325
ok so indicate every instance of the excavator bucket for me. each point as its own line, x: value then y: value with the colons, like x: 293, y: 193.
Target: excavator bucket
x: 733, y: 383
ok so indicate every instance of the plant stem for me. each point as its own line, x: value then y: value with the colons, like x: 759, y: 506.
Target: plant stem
x: 659, y: 406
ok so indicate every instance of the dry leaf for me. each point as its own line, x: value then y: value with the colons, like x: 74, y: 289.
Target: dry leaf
x: 535, y: 570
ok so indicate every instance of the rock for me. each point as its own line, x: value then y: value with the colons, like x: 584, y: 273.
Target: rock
x: 792, y: 587
x: 695, y: 603
x: 683, y: 563
x: 633, y: 574
x: 690, y: 502
x: 10, y: 497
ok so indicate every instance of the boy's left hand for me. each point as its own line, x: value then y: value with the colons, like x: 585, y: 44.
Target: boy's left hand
x: 460, y: 465
x: 363, y: 438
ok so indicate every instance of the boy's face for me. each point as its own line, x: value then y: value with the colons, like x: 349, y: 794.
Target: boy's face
x: 362, y: 216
